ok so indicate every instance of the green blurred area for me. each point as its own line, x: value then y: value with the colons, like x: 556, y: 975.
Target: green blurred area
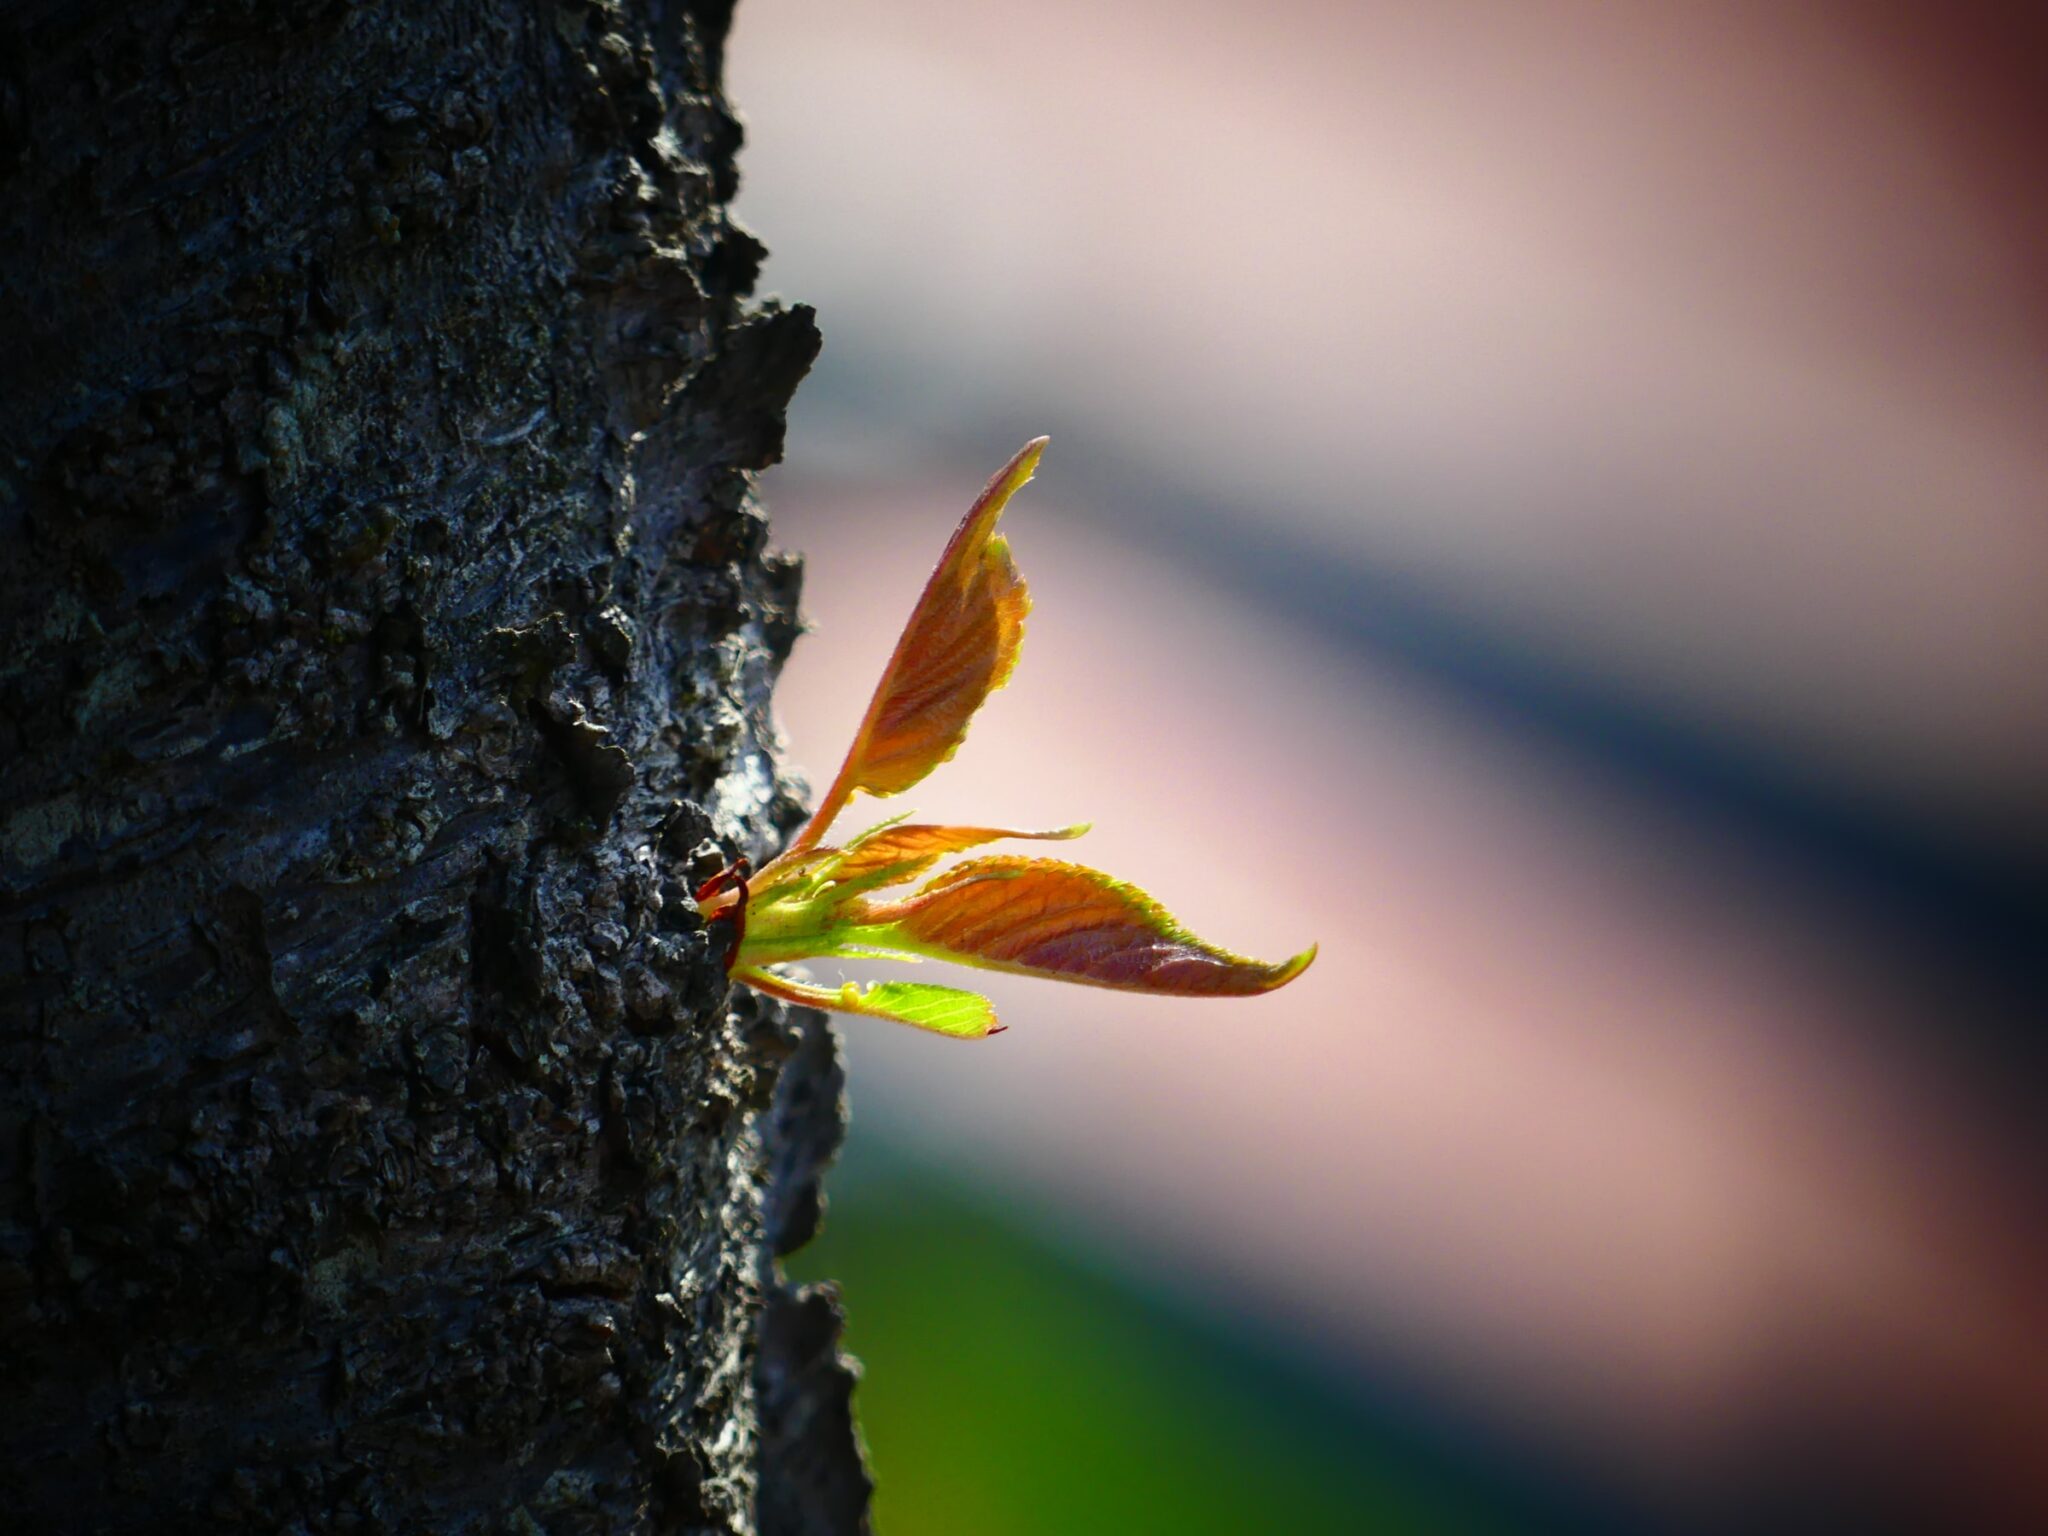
x: 1009, y: 1386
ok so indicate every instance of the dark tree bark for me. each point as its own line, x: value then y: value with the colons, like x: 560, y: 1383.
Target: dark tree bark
x: 388, y: 632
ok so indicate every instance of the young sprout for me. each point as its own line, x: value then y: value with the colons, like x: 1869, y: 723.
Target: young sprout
x: 1039, y: 917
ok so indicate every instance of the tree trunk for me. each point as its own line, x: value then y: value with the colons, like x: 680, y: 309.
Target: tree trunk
x: 388, y: 632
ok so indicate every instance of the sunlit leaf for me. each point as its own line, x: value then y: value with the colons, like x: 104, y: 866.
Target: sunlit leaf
x: 943, y: 1010
x: 894, y: 853
x: 1035, y: 916
x: 959, y: 646
x: 1046, y: 918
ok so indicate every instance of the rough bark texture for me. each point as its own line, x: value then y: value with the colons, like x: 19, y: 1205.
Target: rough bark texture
x: 386, y: 633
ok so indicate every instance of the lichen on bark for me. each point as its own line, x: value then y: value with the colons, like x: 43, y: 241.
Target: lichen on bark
x: 385, y: 641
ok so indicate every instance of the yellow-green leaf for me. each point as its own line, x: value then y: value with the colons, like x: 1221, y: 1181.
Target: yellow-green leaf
x: 943, y: 1010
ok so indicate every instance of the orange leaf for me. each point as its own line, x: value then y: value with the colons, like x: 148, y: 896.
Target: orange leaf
x: 959, y: 647
x: 1046, y: 918
x: 890, y: 855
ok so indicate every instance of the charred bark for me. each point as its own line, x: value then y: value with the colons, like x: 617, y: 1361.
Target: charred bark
x: 388, y: 633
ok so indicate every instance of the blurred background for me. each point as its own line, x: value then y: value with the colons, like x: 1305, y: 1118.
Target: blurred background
x: 1551, y: 501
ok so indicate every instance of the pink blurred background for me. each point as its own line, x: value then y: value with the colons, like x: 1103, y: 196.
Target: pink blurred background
x: 1550, y: 501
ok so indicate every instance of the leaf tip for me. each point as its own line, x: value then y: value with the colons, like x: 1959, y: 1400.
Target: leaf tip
x: 1294, y: 967
x: 1016, y: 474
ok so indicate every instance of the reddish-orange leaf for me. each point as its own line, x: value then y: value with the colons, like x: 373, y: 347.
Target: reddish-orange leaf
x: 959, y: 647
x: 905, y: 851
x: 1046, y: 918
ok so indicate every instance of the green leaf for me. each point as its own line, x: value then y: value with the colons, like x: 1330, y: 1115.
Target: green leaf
x: 943, y: 1010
